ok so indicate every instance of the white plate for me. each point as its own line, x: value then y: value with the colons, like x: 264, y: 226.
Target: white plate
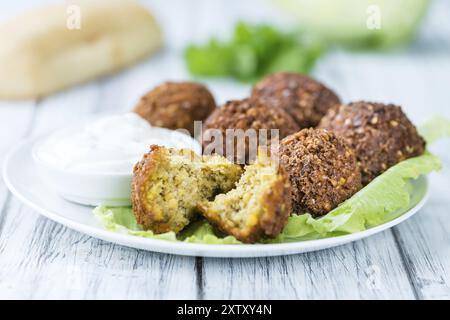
x: 21, y: 178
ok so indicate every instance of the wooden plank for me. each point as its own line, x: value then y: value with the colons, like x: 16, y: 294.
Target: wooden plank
x: 15, y: 122
x: 368, y: 269
x: 44, y: 260
x: 424, y: 240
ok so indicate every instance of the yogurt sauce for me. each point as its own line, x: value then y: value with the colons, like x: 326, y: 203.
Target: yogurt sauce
x: 111, y: 144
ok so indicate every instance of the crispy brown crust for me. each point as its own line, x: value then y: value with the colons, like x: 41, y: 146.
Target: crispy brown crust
x: 305, y: 99
x: 142, y: 172
x: 176, y: 105
x: 322, y: 170
x: 246, y: 114
x: 276, y: 209
x: 380, y: 134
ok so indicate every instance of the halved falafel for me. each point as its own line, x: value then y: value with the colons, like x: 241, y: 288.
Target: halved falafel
x: 381, y: 135
x: 168, y: 184
x: 176, y: 105
x: 230, y: 122
x: 322, y: 169
x: 305, y: 99
x: 258, y: 207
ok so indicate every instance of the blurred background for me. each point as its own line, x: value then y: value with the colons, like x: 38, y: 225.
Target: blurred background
x: 404, y: 60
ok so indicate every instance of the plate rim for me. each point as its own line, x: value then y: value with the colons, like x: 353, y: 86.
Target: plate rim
x: 199, y: 249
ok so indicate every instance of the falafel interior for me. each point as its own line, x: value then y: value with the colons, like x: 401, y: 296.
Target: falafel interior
x: 169, y: 183
x: 259, y: 205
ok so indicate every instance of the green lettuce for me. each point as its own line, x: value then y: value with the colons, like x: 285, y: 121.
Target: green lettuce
x: 385, y: 198
x: 122, y: 220
x: 434, y: 129
x: 202, y: 232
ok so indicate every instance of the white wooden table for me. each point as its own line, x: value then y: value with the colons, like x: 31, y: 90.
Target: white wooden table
x: 43, y: 260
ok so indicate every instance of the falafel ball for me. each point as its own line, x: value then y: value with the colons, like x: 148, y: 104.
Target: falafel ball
x: 168, y: 184
x: 380, y: 134
x: 305, y: 99
x: 176, y: 105
x: 322, y: 169
x: 258, y: 207
x: 224, y: 124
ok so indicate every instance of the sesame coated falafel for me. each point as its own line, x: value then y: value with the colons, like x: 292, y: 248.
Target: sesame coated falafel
x: 176, y: 105
x: 322, y: 169
x: 245, y: 114
x: 305, y: 99
x: 380, y: 134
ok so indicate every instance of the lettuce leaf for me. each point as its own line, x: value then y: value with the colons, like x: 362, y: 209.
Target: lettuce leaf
x: 122, y: 220
x: 385, y: 198
x: 202, y: 232
x: 434, y: 129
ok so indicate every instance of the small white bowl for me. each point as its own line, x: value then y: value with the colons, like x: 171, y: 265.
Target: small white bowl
x: 102, y: 188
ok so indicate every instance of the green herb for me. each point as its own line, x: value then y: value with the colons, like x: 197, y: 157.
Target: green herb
x: 252, y: 52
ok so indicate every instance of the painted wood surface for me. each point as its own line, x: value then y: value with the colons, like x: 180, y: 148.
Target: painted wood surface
x: 41, y: 259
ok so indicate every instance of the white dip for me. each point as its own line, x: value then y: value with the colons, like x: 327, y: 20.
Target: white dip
x: 112, y: 144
